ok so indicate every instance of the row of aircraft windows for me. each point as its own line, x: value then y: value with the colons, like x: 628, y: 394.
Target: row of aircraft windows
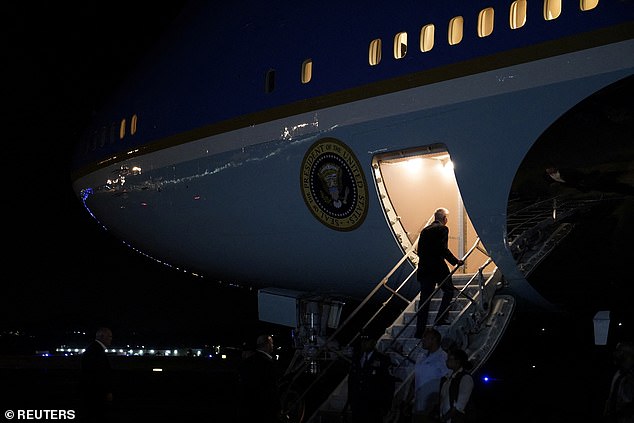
x: 109, y: 135
x: 517, y: 19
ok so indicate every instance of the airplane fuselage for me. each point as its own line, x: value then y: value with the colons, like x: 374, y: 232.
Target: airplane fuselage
x: 222, y: 155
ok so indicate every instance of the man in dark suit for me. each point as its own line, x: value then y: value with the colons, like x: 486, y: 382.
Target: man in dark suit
x: 96, y: 377
x: 258, y: 381
x: 432, y: 269
x: 370, y: 384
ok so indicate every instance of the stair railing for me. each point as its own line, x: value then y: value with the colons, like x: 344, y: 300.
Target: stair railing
x: 298, y: 370
x: 462, y: 292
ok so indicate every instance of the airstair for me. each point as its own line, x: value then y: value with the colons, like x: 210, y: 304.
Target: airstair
x: 474, y: 328
x: 478, y: 319
x: 535, y: 230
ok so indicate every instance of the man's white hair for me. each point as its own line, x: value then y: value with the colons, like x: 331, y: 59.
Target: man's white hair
x: 440, y: 213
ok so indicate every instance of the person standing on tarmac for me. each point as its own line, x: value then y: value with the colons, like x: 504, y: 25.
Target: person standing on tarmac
x: 258, y: 381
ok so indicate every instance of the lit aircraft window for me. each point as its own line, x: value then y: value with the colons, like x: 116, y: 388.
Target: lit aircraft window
x: 400, y: 45
x: 588, y: 4
x: 552, y: 9
x: 122, y: 129
x: 133, y: 122
x: 427, y: 37
x: 517, y: 15
x: 269, y: 84
x: 455, y: 30
x: 307, y: 71
x: 374, y: 53
x: 485, y: 22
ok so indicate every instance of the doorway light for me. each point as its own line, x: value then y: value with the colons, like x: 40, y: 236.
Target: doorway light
x: 414, y: 165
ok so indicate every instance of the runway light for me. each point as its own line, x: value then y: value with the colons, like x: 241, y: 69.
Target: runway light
x: 488, y: 379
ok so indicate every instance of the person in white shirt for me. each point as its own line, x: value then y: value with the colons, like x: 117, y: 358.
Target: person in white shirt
x: 429, y: 369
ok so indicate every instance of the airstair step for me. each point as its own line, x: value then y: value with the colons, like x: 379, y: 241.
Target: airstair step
x: 409, y: 315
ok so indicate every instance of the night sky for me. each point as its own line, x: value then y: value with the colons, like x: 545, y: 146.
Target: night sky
x: 62, y: 270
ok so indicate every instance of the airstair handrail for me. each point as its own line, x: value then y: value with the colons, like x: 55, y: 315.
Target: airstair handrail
x: 428, y: 299
x: 395, y: 293
x: 325, y: 347
x: 462, y: 291
x: 382, y: 283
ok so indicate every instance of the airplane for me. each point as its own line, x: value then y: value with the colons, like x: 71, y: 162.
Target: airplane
x: 299, y: 148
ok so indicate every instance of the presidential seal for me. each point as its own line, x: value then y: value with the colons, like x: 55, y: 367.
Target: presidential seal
x: 333, y: 185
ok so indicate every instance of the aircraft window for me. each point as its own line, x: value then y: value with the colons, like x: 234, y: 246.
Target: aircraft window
x: 485, y: 22
x: 102, y: 137
x: 133, y: 123
x: 374, y: 52
x: 307, y: 71
x: 90, y: 144
x: 588, y: 4
x: 113, y: 132
x: 93, y: 142
x: 552, y: 9
x: 269, y: 84
x: 455, y: 30
x: 517, y: 15
x: 400, y: 45
x: 122, y: 129
x: 427, y: 37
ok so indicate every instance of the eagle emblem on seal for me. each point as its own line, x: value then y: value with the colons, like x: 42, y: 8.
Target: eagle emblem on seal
x: 333, y: 185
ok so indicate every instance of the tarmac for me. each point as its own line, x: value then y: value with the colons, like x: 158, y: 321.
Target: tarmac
x: 545, y: 369
x: 187, y: 389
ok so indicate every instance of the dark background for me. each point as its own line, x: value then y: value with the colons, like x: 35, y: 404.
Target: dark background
x: 64, y: 272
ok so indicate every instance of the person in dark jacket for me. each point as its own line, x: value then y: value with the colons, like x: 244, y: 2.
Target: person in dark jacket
x: 432, y: 269
x: 456, y: 389
x: 370, y: 384
x: 259, y: 384
x: 96, y: 377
